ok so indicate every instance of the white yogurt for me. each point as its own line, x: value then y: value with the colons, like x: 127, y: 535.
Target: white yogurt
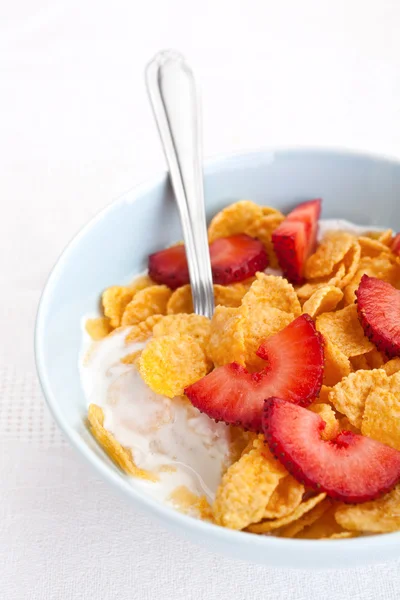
x: 168, y: 437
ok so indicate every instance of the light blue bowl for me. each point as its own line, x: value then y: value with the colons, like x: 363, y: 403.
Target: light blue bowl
x: 116, y: 243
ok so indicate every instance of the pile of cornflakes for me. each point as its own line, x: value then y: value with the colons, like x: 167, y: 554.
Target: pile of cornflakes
x: 361, y: 386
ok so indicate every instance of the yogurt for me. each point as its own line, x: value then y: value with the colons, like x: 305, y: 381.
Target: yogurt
x: 168, y: 437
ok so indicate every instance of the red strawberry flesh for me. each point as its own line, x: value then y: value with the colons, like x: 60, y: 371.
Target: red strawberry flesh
x: 378, y: 306
x: 169, y: 267
x: 233, y: 259
x: 295, y: 238
x: 294, y: 371
x: 351, y: 467
x: 236, y: 257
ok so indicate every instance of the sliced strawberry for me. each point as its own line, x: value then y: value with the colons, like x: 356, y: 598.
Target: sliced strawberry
x: 236, y: 257
x: 169, y: 267
x: 395, y: 247
x: 351, y: 467
x: 378, y: 305
x: 233, y: 258
x: 294, y: 371
x: 294, y: 240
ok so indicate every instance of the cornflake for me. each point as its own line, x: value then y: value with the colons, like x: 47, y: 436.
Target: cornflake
x: 349, y: 396
x: 336, y: 366
x: 324, y: 299
x: 98, y: 328
x: 327, y: 414
x: 120, y: 455
x: 285, y: 499
x: 143, y: 330
x: 296, y: 520
x: 114, y: 300
x: 274, y: 292
x: 226, y: 340
x: 169, y: 364
x: 381, y: 418
x: 195, y: 326
x: 259, y: 322
x: 329, y: 253
x: 145, y: 303
x: 247, y: 487
x: 378, y: 516
x: 235, y: 218
x: 343, y: 329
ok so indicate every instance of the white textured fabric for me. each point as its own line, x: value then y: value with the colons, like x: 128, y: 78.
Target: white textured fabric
x: 75, y: 132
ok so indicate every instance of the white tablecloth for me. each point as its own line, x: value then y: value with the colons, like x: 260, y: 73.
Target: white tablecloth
x: 75, y: 132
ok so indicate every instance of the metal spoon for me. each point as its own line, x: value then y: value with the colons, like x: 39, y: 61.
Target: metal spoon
x: 172, y: 91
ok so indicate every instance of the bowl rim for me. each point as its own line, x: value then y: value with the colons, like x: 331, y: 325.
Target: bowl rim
x: 164, y: 513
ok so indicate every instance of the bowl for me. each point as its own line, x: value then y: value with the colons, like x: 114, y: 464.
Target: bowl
x: 360, y: 188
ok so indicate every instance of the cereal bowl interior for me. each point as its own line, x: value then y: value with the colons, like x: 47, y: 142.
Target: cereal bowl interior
x: 115, y: 245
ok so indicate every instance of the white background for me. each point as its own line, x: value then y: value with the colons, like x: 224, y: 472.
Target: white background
x: 75, y: 132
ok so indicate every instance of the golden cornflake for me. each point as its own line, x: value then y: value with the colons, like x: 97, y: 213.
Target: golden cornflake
x: 371, y: 247
x: 386, y: 237
x: 140, y: 283
x: 274, y: 292
x: 229, y: 295
x: 195, y: 326
x: 325, y: 299
x: 259, y: 322
x: 360, y: 362
x: 381, y: 267
x: 375, y: 359
x: 344, y: 330
x: 305, y: 291
x: 296, y: 519
x: 336, y: 366
x: 150, y: 301
x: 120, y: 455
x: 263, y: 229
x: 329, y: 253
x: 345, y: 425
x: 378, y: 516
x: 235, y: 218
x: 392, y: 366
x: 349, y: 396
x: 98, y: 328
x: 327, y: 414
x: 114, y: 300
x: 226, y: 341
x: 381, y: 419
x: 225, y: 295
x: 168, y: 364
x: 351, y: 263
x: 323, y: 394
x: 325, y: 526
x: 247, y: 487
x: 285, y: 499
x: 180, y: 301
x: 143, y: 330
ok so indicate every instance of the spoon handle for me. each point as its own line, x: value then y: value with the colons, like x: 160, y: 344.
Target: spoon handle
x: 172, y: 90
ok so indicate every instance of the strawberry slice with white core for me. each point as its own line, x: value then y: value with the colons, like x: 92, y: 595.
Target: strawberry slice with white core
x: 236, y: 257
x: 295, y: 239
x: 378, y: 306
x: 233, y: 258
x: 395, y: 247
x: 294, y: 370
x: 351, y: 467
